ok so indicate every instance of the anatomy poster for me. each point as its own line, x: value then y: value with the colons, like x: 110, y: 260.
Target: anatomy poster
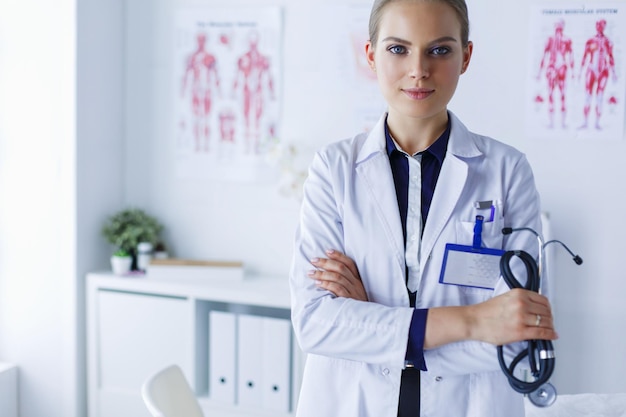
x: 577, y: 82
x: 227, y: 86
x: 347, y: 69
x: 368, y: 101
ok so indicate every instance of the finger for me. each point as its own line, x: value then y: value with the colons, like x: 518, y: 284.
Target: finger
x: 538, y: 299
x: 330, y: 282
x: 345, y: 260
x: 327, y: 278
x: 335, y: 288
x: 533, y: 304
x: 335, y: 266
x: 540, y: 311
x: 540, y: 333
x: 539, y: 320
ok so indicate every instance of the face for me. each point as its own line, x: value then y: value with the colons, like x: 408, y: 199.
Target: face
x: 418, y: 58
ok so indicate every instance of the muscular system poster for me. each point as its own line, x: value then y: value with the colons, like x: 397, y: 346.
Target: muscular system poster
x: 577, y: 83
x: 227, y: 83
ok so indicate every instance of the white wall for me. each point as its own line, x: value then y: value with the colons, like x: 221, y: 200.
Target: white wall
x: 61, y: 173
x: 37, y: 202
x: 100, y: 170
x: 210, y: 219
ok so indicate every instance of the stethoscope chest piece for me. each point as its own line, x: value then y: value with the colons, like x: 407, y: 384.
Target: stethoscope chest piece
x: 544, y: 396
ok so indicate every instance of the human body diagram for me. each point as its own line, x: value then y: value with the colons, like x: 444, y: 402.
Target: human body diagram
x: 199, y: 84
x: 255, y: 82
x: 557, y: 58
x: 597, y: 63
x: 576, y: 91
x: 227, y: 90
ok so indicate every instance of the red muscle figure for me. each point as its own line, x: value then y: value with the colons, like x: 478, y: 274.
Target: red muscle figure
x: 557, y: 57
x: 201, y: 73
x: 598, y: 58
x: 253, y: 72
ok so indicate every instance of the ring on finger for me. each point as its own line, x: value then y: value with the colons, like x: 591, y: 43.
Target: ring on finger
x: 538, y: 321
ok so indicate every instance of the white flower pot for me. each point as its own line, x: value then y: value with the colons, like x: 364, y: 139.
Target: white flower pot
x: 121, y: 265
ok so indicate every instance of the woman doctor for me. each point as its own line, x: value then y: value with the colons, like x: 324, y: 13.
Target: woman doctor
x: 384, y: 337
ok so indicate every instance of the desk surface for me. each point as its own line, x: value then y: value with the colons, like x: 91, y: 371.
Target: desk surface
x: 254, y: 290
x: 592, y: 405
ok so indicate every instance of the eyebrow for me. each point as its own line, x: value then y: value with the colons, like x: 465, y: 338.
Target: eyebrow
x: 403, y: 41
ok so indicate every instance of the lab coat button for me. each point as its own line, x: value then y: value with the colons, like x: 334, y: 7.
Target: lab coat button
x: 386, y: 371
x: 438, y: 379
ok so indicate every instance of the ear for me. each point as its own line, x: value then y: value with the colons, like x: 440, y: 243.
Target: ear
x: 467, y: 56
x: 369, y: 54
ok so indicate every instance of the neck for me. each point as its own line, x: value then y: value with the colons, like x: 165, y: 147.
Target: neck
x: 416, y: 135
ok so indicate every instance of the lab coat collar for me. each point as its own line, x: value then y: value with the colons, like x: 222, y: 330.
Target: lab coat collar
x: 375, y: 141
x: 459, y: 143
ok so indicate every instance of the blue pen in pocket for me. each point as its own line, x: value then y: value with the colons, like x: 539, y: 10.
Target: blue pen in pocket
x: 478, y: 231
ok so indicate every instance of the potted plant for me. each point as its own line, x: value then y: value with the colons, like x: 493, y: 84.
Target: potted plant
x: 121, y: 262
x: 127, y: 228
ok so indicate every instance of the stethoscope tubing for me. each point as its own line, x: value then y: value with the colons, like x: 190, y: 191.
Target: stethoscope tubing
x: 540, y: 353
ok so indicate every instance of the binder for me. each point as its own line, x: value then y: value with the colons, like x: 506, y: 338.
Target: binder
x: 222, y: 356
x: 276, y: 364
x: 250, y: 331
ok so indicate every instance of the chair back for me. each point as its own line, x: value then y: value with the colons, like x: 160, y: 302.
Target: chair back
x: 168, y: 394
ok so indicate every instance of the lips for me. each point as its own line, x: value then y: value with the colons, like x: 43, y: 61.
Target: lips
x: 418, y: 93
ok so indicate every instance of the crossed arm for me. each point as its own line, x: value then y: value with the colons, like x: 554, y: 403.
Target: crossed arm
x: 506, y: 318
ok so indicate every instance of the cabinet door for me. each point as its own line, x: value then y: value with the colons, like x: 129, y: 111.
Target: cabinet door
x: 222, y: 356
x: 276, y: 364
x: 139, y: 334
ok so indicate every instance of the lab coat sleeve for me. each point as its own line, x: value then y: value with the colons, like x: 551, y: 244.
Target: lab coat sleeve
x: 521, y: 208
x: 323, y: 323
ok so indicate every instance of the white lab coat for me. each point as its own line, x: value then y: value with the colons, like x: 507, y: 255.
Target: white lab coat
x: 356, y: 349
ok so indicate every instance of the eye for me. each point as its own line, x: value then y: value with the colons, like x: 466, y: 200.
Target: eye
x: 397, y: 49
x: 440, y: 50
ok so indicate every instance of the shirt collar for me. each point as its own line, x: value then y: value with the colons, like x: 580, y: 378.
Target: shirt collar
x: 437, y: 149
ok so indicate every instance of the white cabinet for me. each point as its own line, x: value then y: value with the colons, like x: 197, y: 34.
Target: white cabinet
x: 225, y: 335
x: 138, y: 334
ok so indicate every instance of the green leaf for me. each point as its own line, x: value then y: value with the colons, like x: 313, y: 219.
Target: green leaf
x: 127, y: 228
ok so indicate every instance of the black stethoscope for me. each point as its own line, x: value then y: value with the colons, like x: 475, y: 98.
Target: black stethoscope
x: 540, y: 353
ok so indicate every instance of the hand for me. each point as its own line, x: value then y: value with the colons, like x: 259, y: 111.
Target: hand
x: 512, y: 317
x: 339, y: 275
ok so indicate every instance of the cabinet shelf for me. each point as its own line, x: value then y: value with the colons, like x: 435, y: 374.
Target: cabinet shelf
x: 138, y: 324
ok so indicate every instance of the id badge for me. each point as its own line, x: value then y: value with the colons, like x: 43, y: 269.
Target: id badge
x: 469, y: 266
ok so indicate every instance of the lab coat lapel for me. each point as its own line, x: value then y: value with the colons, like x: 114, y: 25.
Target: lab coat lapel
x: 452, y: 179
x: 373, y: 168
x: 449, y: 187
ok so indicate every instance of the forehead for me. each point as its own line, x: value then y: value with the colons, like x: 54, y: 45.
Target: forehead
x: 413, y: 18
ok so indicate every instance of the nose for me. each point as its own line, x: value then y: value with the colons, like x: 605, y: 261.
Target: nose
x: 419, y: 68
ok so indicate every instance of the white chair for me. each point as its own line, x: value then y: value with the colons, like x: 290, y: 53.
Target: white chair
x: 168, y: 394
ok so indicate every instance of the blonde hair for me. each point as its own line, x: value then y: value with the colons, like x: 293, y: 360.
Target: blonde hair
x: 459, y: 7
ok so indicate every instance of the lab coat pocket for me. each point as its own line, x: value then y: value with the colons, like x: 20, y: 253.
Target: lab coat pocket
x: 492, y: 236
x: 492, y: 239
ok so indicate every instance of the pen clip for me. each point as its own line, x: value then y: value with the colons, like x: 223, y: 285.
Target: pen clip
x: 478, y: 231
